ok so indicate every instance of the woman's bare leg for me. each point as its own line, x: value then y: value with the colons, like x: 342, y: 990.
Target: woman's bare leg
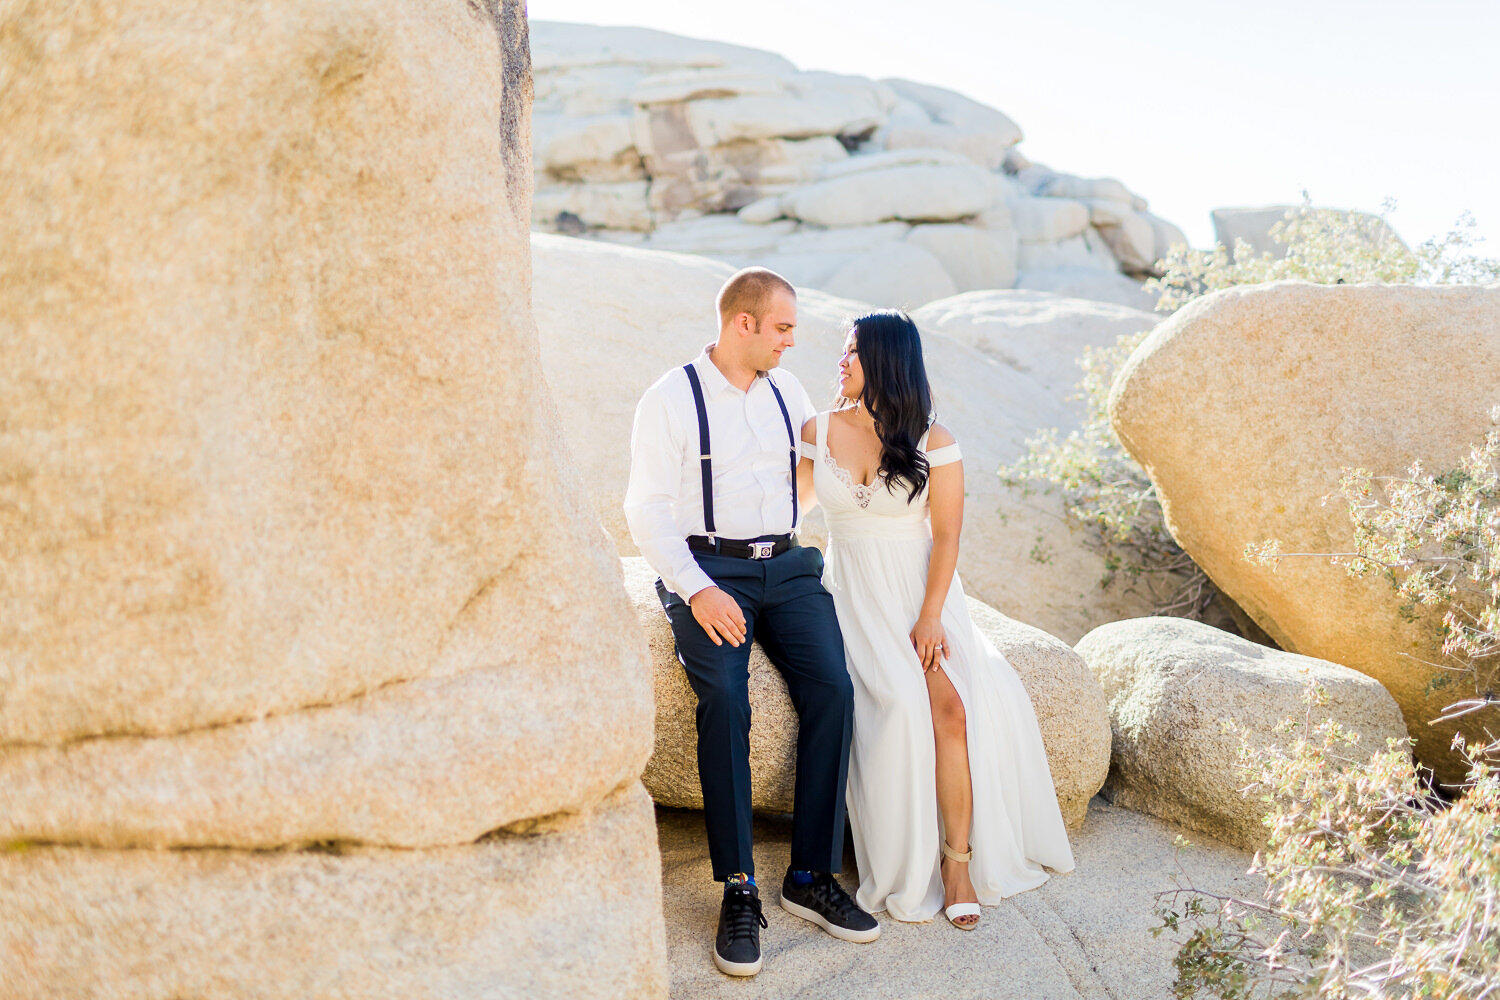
x: 954, y: 791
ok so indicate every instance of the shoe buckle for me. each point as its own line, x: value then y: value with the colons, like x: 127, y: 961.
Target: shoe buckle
x: 762, y: 550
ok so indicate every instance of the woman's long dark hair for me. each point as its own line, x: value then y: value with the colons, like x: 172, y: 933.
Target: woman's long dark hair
x: 896, y: 393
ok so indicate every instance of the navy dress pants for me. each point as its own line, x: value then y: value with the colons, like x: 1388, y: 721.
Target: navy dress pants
x: 790, y: 614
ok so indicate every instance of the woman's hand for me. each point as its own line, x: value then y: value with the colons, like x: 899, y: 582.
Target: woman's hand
x: 928, y: 640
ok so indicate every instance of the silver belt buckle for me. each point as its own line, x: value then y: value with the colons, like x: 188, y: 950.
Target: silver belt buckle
x: 762, y: 550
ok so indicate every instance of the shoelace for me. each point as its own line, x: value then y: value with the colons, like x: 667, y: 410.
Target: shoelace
x: 744, y: 913
x: 827, y: 888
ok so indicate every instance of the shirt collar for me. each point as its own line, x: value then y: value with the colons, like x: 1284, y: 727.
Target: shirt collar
x: 713, y: 380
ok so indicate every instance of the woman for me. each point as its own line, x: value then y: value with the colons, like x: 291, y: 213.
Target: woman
x: 949, y: 794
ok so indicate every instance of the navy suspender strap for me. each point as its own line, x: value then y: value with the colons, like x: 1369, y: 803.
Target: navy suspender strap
x: 792, y: 437
x: 704, y: 459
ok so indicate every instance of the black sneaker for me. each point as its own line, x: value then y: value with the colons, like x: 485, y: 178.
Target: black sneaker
x: 825, y: 903
x: 737, y: 947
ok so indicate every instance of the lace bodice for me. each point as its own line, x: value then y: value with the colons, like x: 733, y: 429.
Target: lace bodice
x: 861, y: 492
x: 854, y: 508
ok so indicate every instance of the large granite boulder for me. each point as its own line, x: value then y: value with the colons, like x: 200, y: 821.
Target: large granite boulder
x: 288, y: 519
x: 345, y: 922
x: 604, y: 341
x: 1245, y: 406
x: 1069, y: 706
x: 1172, y: 684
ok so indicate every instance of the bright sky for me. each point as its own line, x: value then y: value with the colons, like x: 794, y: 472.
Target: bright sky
x: 1193, y: 104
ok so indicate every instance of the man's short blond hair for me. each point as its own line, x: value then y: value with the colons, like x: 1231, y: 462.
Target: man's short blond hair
x: 750, y: 291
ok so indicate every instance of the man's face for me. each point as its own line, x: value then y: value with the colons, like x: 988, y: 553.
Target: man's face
x: 775, y: 332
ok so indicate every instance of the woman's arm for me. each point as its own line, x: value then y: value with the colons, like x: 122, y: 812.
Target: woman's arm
x: 806, y: 496
x: 945, y: 497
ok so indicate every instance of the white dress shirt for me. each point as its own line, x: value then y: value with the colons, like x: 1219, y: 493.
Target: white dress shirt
x: 751, y: 466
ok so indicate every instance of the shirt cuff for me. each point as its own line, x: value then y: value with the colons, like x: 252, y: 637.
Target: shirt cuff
x: 692, y: 581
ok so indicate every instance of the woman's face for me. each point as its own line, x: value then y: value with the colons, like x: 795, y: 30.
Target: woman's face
x: 851, y: 376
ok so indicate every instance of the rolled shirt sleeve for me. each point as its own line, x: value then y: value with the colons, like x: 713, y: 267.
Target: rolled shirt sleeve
x: 657, y: 448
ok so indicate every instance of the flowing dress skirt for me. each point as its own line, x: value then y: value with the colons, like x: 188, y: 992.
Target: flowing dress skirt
x: 878, y: 580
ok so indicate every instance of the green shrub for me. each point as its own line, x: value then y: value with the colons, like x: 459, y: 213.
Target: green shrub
x: 1105, y: 491
x: 1374, y: 888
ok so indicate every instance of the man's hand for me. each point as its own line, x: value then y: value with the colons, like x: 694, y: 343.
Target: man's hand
x: 719, y: 615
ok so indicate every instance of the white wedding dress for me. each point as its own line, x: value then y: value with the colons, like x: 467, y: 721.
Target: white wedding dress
x: 876, y: 570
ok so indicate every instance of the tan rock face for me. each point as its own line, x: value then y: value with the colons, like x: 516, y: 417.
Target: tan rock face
x: 416, y: 764
x: 249, y: 320
x: 1245, y: 406
x: 292, y: 552
x: 276, y: 442
x: 481, y: 920
x: 1069, y: 706
x: 1171, y: 683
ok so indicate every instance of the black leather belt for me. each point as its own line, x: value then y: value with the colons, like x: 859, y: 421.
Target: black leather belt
x: 741, y: 548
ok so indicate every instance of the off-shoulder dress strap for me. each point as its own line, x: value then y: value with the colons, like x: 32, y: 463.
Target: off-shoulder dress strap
x: 945, y: 455
x: 814, y: 448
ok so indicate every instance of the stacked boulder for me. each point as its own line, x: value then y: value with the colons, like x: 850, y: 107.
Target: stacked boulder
x: 292, y: 700
x: 1286, y: 385
x: 1187, y: 701
x: 888, y: 191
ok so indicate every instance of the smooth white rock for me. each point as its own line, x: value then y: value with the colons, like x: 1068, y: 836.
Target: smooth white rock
x: 560, y: 142
x: 1107, y: 211
x: 1038, y: 333
x: 612, y: 206
x: 1069, y: 186
x: 1167, y: 235
x: 974, y: 258
x: 1089, y: 283
x: 848, y: 239
x: 895, y: 276
x: 916, y: 193
x: 696, y: 84
x: 804, y: 270
x: 586, y: 92
x: 952, y: 108
x: 863, y: 162
x: 558, y: 47
x: 807, y: 108
x: 1047, y: 220
x: 1132, y: 240
x: 1087, y: 249
x: 762, y: 211
x: 718, y: 234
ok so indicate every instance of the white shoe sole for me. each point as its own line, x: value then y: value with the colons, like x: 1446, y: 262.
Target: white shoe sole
x: 737, y: 968
x: 842, y: 933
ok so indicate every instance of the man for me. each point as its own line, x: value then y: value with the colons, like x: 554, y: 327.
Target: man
x: 712, y: 505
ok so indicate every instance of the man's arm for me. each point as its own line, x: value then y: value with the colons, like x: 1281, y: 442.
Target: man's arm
x: 656, y: 453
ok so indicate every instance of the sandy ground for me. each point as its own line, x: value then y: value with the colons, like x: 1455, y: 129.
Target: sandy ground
x: 1081, y: 935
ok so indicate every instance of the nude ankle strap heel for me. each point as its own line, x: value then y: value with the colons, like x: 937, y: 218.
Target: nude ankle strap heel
x: 957, y: 910
x: 953, y: 855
